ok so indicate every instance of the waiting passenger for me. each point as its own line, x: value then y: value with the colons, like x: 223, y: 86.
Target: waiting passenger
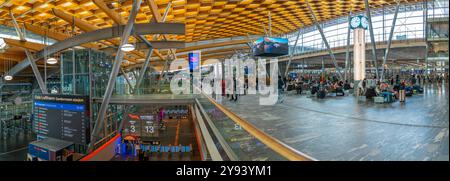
x: 346, y: 85
x: 362, y: 87
x: 280, y: 89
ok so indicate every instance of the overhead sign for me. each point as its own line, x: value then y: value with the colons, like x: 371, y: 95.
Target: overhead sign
x: 143, y: 126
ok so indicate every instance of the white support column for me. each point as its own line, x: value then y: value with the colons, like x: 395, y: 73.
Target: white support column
x: 115, y: 71
x: 36, y: 72
x: 372, y: 38
x: 292, y: 53
x: 324, y: 39
x: 270, y: 24
x: 127, y: 79
x: 143, y: 69
x: 359, y: 54
x: 16, y: 26
x: 386, y: 53
x: 347, y: 51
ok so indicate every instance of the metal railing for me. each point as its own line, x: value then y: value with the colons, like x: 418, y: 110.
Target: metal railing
x: 105, y: 139
x: 243, y: 139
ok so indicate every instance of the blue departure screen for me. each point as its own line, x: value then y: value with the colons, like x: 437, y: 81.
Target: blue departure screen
x: 194, y: 60
x: 60, y: 106
x: 64, y: 117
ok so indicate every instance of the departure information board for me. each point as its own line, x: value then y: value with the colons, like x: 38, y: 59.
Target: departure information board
x: 62, y: 116
x: 144, y: 126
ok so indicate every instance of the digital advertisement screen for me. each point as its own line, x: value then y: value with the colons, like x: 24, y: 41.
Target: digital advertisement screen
x: 270, y: 47
x: 194, y: 60
x: 62, y: 117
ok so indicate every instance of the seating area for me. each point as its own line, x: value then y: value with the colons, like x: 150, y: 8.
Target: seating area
x: 368, y: 89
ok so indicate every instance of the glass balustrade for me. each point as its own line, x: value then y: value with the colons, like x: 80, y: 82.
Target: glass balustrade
x: 232, y: 139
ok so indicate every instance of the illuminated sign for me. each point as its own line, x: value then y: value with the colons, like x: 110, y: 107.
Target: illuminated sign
x: 140, y: 126
x: 39, y: 152
x: 271, y: 46
x: 194, y: 60
x: 62, y: 117
x: 132, y: 116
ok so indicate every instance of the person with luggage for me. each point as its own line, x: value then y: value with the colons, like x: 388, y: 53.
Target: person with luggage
x: 397, y: 79
x: 347, y: 85
x: 298, y: 85
x: 322, y: 92
x: 402, y: 95
x: 280, y: 89
x: 146, y: 155
x: 362, y: 87
x: 140, y: 155
x: 223, y: 87
x: 234, y: 94
x: 413, y: 80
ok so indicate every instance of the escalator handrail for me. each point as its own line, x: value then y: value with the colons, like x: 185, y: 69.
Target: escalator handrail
x: 271, y: 142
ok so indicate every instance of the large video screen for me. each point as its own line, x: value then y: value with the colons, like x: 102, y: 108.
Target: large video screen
x: 62, y: 117
x: 271, y: 47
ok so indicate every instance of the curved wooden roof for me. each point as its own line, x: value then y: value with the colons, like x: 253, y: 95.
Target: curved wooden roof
x: 204, y: 19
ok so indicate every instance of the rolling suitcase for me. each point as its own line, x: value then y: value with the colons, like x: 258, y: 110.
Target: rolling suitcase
x: 378, y: 99
x: 389, y: 99
x: 340, y: 92
x: 362, y: 98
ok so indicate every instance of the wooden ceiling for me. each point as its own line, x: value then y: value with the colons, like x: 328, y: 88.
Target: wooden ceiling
x: 204, y: 19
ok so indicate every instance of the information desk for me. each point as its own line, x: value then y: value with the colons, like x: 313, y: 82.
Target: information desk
x: 62, y: 117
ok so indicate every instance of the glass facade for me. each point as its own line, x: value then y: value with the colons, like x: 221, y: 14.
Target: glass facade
x: 91, y: 71
x: 410, y: 26
x: 10, y: 32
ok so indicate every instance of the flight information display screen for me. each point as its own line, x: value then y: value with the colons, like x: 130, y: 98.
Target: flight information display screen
x: 62, y: 117
x: 140, y: 126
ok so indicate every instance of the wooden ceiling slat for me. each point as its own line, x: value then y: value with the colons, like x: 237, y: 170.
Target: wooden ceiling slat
x: 197, y: 14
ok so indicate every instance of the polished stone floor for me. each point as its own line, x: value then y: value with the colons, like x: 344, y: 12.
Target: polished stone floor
x: 340, y: 128
x: 15, y: 147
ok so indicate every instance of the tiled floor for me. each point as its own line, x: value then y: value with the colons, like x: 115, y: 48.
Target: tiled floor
x: 340, y: 128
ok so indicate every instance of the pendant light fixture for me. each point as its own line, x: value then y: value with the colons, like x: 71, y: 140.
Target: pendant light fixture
x: 52, y: 61
x: 7, y: 66
x: 127, y: 47
x: 49, y: 60
x: 8, y: 77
